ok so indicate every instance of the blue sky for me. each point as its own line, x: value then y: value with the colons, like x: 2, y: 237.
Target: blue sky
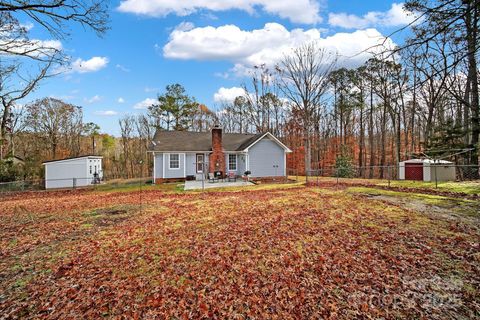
x: 208, y: 47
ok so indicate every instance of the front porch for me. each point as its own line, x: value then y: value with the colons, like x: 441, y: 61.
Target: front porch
x: 199, y: 185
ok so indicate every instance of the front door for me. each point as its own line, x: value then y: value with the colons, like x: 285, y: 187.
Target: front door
x: 200, y: 162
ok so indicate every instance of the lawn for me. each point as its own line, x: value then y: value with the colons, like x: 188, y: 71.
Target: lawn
x: 270, y: 251
x: 463, y: 187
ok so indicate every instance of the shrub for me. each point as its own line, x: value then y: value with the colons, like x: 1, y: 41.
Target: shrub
x: 9, y: 171
x: 343, y: 166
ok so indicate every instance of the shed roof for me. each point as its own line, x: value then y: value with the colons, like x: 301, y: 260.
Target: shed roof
x: 72, y: 158
x: 430, y: 161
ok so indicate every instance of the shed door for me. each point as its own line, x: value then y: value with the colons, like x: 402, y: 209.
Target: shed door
x: 414, y: 171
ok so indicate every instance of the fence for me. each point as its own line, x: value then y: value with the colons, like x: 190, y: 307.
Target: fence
x: 435, y: 173
x: 427, y: 172
x: 42, y: 184
x: 74, y: 183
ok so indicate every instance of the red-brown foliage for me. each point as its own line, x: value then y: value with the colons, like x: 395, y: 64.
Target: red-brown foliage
x: 285, y: 253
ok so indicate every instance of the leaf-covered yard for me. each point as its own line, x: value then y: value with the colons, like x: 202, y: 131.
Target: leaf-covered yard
x: 281, y: 253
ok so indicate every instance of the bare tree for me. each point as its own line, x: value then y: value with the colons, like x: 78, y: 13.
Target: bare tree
x: 258, y: 97
x: 304, y: 81
x: 202, y: 119
x: 55, y: 122
x: 55, y: 15
x: 227, y: 117
x: 127, y: 127
x: 25, y: 62
x: 234, y: 116
x: 146, y: 130
x: 459, y: 22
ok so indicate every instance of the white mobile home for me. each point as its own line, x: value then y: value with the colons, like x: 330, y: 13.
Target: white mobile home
x: 427, y: 170
x: 73, y: 172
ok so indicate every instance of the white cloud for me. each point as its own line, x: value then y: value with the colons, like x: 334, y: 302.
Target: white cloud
x: 27, y: 26
x: 267, y: 45
x: 394, y: 17
x: 122, y: 68
x: 121, y: 100
x: 145, y: 103
x: 13, y: 42
x: 229, y: 42
x: 107, y: 113
x: 223, y: 75
x: 62, y: 97
x: 92, y: 65
x: 32, y: 48
x: 301, y: 11
x: 95, y: 98
x: 209, y: 16
x: 148, y: 89
x: 185, y: 26
x: 228, y: 94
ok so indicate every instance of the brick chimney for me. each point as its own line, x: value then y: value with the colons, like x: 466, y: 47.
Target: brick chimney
x: 217, y: 157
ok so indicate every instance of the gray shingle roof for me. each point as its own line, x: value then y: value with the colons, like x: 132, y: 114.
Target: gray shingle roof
x: 199, y: 141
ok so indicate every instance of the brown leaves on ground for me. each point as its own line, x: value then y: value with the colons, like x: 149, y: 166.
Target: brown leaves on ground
x: 281, y: 254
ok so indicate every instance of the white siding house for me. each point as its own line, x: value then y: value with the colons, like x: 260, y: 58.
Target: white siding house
x: 266, y: 158
x: 181, y: 155
x: 72, y: 172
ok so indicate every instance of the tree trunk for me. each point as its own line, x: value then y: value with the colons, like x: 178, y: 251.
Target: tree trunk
x: 362, y: 137
x: 3, y: 131
x: 370, y: 135
x: 472, y: 31
x: 308, y: 153
x: 54, y: 149
x: 414, y: 106
x: 383, y: 140
x: 398, y: 140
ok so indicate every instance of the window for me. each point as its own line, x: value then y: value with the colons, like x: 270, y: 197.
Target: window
x: 90, y: 169
x: 200, y: 164
x: 232, y: 162
x: 174, y: 161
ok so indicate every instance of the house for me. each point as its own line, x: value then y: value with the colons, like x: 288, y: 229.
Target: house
x: 426, y: 170
x: 178, y: 155
x: 73, y: 172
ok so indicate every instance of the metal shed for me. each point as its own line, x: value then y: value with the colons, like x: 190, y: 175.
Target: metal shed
x: 427, y: 170
x: 73, y: 172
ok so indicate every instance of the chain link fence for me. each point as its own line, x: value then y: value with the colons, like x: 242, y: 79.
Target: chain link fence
x: 73, y: 184
x: 436, y: 173
x: 54, y: 184
x: 428, y: 172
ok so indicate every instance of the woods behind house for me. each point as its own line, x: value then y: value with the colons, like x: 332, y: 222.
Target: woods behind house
x: 420, y: 98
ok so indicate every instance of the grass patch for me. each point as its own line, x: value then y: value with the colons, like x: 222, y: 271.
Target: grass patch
x: 468, y: 187
x: 133, y: 185
x: 462, y: 206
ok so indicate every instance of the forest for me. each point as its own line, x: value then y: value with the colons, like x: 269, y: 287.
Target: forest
x: 419, y: 98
